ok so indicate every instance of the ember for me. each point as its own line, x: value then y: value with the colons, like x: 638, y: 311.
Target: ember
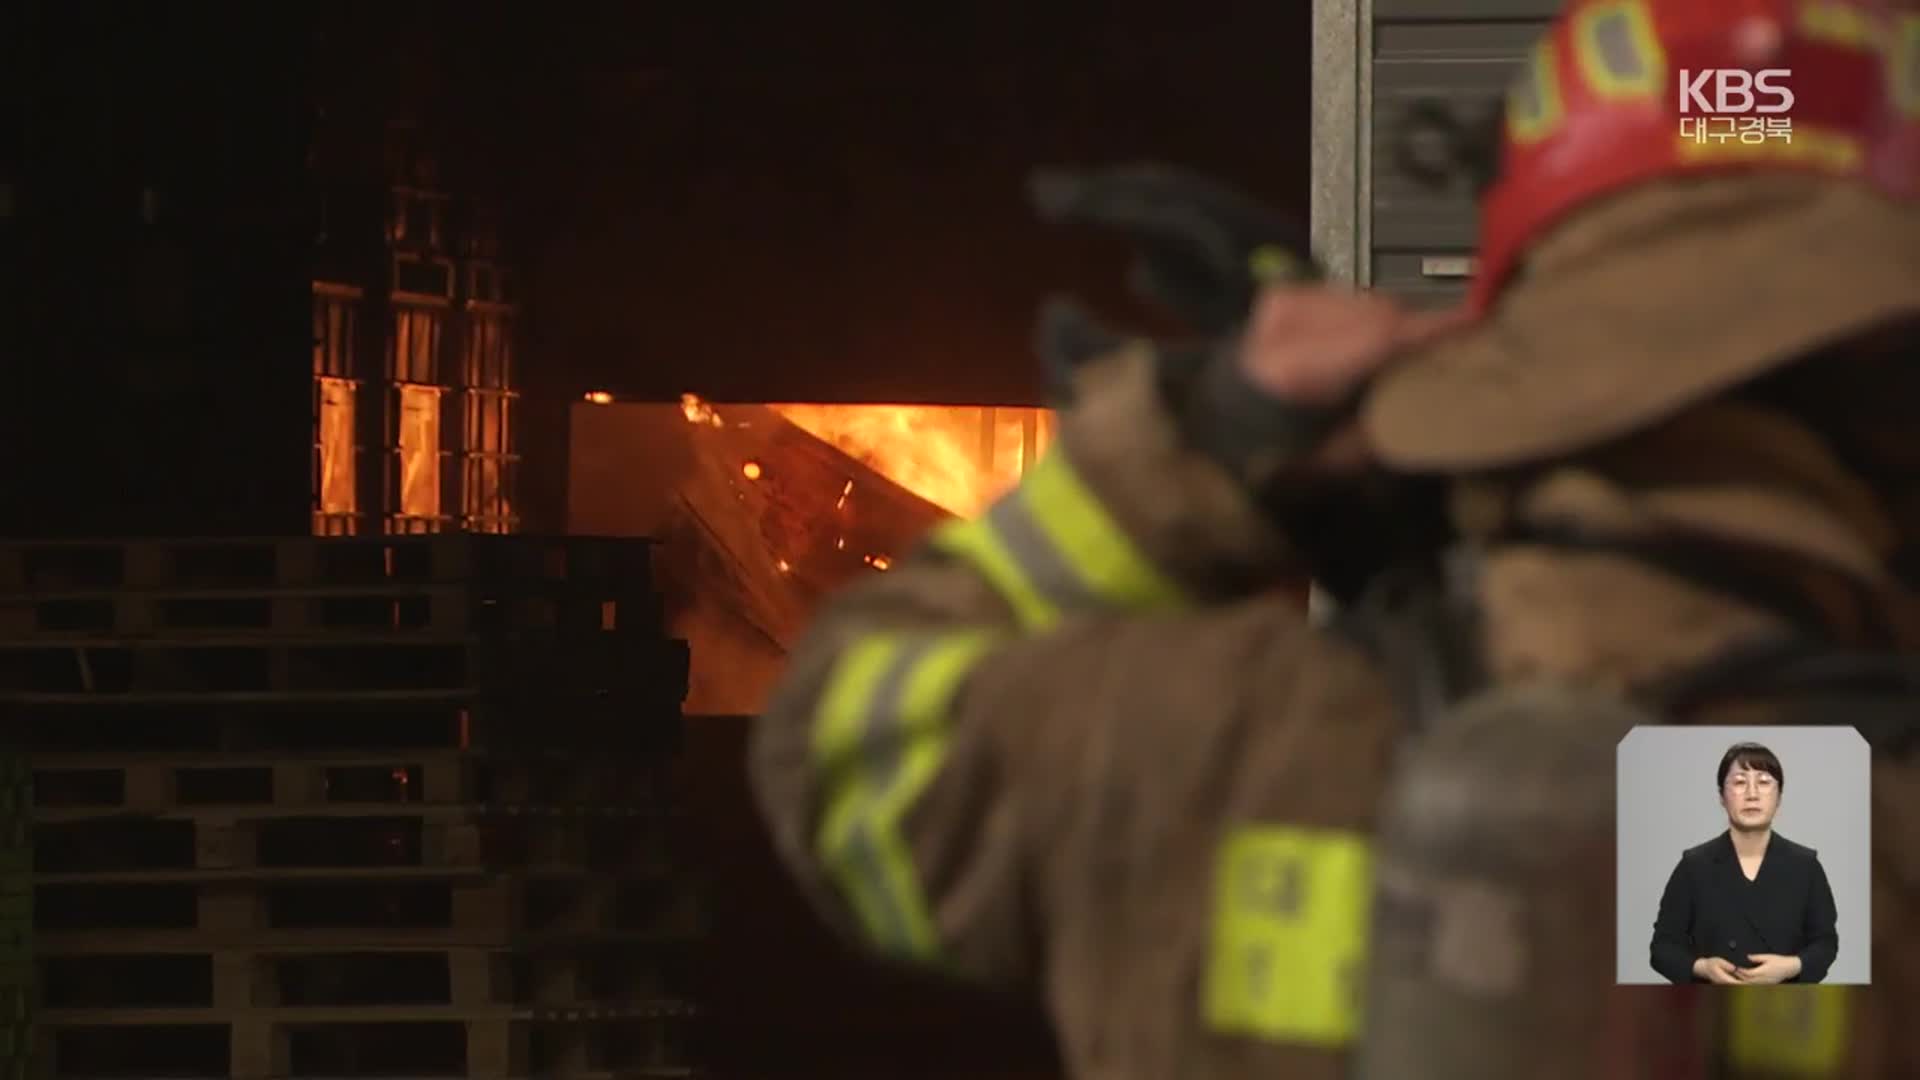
x: 751, y: 470
x: 697, y: 411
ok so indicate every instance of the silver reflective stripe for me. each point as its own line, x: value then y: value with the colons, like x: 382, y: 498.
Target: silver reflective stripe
x: 883, y: 748
x: 1049, y: 574
x: 1322, y: 609
x: 1612, y: 36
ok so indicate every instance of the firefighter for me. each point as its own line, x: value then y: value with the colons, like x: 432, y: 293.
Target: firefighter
x: 1074, y: 748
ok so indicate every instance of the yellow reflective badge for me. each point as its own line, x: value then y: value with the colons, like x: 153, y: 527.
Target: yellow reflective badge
x: 1289, y: 935
x: 1787, y: 1030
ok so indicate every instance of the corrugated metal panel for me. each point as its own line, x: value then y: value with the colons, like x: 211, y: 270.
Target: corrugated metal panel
x: 1455, y: 41
x: 1423, y: 280
x: 1465, y: 65
x: 1465, y: 10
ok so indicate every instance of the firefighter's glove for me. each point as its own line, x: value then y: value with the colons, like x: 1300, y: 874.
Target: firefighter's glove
x: 1205, y: 250
x: 1251, y: 433
x: 1267, y: 386
x: 1068, y: 337
x: 1204, y: 253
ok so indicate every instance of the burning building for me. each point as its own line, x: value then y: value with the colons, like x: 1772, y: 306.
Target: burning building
x: 416, y: 392
x: 762, y: 509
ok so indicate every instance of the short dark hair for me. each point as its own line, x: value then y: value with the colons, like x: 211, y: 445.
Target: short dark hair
x: 1750, y: 755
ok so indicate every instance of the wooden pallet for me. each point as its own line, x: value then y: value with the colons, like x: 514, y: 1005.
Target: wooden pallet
x: 231, y: 979
x: 525, y: 911
x: 549, y: 725
x: 16, y: 912
x: 678, y: 924
x: 17, y: 1026
x: 213, y: 667
x: 499, y: 1043
x: 18, y: 1013
x: 73, y: 785
x: 422, y: 608
x: 211, y: 843
x: 42, y: 565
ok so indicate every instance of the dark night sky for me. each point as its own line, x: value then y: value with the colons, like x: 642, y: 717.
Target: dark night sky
x: 825, y: 203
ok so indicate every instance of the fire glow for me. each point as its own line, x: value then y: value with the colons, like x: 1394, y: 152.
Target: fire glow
x: 957, y: 457
x: 697, y: 411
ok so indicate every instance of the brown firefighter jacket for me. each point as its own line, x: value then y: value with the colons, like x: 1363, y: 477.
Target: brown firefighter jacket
x: 1026, y: 755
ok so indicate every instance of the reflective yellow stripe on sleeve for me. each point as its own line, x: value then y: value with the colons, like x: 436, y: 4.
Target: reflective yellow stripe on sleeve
x: 879, y: 737
x: 1288, y: 953
x: 1050, y: 548
x: 1787, y: 1030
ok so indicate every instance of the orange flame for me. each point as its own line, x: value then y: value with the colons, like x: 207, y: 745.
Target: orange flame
x: 957, y: 457
x: 751, y: 470
x: 697, y: 411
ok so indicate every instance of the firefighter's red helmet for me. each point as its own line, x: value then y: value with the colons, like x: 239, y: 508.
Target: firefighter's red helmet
x: 1625, y: 91
x: 1639, y: 255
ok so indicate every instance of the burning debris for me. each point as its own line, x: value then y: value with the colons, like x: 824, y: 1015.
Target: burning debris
x: 762, y: 514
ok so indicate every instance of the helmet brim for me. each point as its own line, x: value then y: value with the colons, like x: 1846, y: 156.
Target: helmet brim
x: 1643, y: 305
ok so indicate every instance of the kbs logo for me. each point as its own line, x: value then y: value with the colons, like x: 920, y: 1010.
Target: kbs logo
x: 1721, y: 105
x: 1734, y: 91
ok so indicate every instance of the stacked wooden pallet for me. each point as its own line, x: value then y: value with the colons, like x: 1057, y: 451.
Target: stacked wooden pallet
x: 307, y: 807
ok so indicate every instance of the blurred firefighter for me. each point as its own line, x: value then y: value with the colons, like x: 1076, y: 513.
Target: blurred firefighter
x: 1073, y: 747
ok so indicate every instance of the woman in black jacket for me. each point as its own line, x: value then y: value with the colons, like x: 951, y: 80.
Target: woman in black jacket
x: 1748, y: 907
